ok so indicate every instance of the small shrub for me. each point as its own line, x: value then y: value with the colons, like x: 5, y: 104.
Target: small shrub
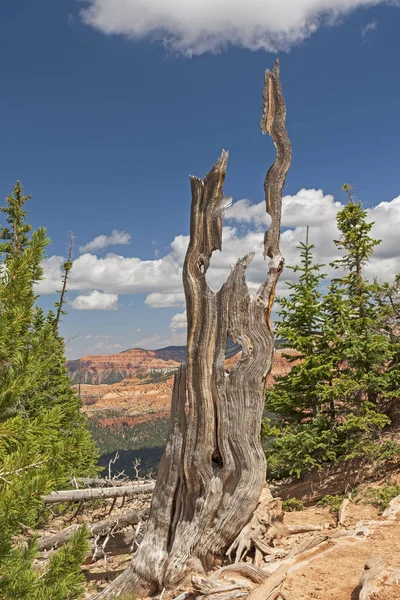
x: 292, y: 505
x: 389, y: 451
x: 381, y: 497
x: 332, y: 502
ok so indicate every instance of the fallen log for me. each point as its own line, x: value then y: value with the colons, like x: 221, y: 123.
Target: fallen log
x: 121, y: 542
x: 98, y: 482
x: 101, y: 528
x: 126, y: 491
x: 295, y: 529
x: 101, y: 575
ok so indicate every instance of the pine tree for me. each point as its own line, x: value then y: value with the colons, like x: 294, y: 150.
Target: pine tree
x: 300, y: 328
x: 43, y: 438
x: 359, y: 347
x: 388, y: 298
x: 332, y: 403
x: 301, y: 436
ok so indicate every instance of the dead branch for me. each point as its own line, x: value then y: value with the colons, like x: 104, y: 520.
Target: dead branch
x: 97, y: 493
x: 249, y: 571
x: 271, y: 585
x: 101, y: 528
x: 295, y: 529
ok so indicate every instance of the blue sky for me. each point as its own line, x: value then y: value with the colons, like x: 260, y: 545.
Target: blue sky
x: 103, y: 124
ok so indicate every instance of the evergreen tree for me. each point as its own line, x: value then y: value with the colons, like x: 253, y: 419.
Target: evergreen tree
x: 388, y: 297
x: 358, y: 345
x: 43, y: 438
x: 331, y: 404
x: 300, y: 328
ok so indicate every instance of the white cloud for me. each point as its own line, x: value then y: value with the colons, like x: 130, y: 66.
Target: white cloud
x: 304, y: 208
x: 117, y: 238
x: 116, y: 274
x: 104, y: 346
x: 158, y: 300
x: 198, y: 26
x: 368, y: 28
x: 151, y: 342
x: 161, y: 279
x: 97, y: 337
x: 179, y: 321
x: 243, y: 211
x: 52, y: 275
x: 95, y: 301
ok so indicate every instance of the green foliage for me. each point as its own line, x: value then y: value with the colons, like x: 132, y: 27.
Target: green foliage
x: 61, y: 578
x: 115, y: 430
x: 381, y: 497
x: 292, y: 505
x: 299, y: 447
x: 44, y: 441
x: 333, y: 403
x: 332, y: 502
x: 389, y: 452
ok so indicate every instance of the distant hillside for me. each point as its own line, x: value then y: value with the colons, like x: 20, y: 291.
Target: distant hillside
x: 127, y: 397
x: 107, y: 369
x: 113, y: 368
x: 177, y: 353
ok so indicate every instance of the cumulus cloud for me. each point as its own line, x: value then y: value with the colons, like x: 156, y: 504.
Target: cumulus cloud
x: 116, y: 274
x: 95, y: 301
x: 178, y: 322
x: 298, y: 210
x: 198, y: 26
x: 158, y: 300
x: 51, y: 281
x: 161, y: 279
x: 117, y: 238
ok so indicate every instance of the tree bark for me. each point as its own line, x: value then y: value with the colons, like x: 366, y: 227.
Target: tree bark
x: 213, y: 469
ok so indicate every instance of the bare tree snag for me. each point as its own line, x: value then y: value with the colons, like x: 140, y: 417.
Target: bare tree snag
x: 213, y: 470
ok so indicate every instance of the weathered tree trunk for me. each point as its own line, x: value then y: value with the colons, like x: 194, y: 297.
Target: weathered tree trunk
x: 213, y: 469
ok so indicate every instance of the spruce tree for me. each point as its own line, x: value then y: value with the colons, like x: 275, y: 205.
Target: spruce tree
x: 300, y: 328
x: 358, y: 345
x: 301, y: 435
x: 43, y: 438
x: 332, y: 403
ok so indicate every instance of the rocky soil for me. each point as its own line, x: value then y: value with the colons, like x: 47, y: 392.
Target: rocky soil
x: 353, y: 554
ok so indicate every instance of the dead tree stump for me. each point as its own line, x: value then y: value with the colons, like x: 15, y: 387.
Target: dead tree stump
x: 213, y: 470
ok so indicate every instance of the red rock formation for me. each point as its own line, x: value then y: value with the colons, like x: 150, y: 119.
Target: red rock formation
x: 146, y: 380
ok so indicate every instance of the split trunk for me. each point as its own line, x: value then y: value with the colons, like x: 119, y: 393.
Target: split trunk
x: 213, y: 469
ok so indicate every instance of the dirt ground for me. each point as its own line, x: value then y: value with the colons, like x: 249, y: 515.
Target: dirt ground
x: 330, y: 571
x: 335, y: 571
